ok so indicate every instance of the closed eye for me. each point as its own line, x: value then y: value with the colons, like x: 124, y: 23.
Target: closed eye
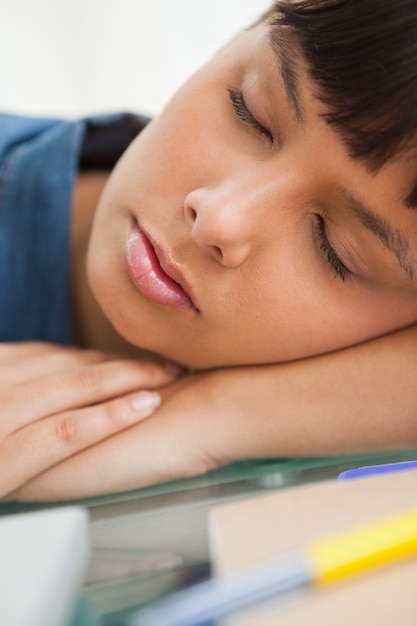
x: 327, y: 249
x: 243, y: 113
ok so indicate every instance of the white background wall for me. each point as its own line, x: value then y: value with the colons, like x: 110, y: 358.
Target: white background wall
x: 74, y: 57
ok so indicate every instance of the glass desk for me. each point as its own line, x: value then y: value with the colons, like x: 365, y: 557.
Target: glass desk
x: 148, y: 543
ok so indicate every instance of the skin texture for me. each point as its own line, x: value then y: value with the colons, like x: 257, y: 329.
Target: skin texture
x: 352, y: 401
x: 57, y: 401
x: 237, y: 215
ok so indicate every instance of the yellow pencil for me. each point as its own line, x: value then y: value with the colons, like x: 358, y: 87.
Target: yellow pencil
x: 359, y: 549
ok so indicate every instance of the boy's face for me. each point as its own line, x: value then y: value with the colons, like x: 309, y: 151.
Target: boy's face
x: 236, y: 229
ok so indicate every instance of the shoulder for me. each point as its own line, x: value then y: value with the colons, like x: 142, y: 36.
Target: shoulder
x: 100, y: 139
x: 16, y: 130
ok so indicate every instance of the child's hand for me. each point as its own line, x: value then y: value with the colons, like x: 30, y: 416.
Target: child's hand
x: 196, y: 428
x: 56, y: 401
x: 357, y: 400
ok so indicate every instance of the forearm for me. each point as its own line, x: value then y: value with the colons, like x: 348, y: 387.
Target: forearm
x: 361, y: 399
x: 357, y: 400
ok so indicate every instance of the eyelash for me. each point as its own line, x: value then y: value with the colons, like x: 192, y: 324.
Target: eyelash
x: 243, y: 113
x: 327, y: 249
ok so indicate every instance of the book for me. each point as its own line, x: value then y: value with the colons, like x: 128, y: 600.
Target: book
x: 246, y: 532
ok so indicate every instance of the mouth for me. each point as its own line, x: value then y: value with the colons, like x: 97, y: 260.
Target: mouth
x: 154, y: 273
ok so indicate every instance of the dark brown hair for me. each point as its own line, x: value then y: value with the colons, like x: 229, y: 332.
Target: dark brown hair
x: 362, y: 56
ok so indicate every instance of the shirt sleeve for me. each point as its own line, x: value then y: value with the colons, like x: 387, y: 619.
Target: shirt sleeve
x: 38, y: 166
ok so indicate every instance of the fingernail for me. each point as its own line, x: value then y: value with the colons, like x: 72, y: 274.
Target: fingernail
x: 174, y: 369
x: 145, y: 402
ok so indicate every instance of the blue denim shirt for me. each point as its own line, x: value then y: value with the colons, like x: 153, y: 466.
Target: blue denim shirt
x: 39, y: 160
x: 38, y: 164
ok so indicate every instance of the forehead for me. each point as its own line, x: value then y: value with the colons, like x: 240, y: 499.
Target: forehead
x: 388, y: 208
x: 294, y: 70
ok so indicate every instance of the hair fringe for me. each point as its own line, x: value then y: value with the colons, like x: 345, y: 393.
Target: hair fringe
x: 362, y: 55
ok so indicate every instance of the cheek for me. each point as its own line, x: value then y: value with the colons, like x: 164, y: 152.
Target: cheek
x: 298, y: 314
x: 183, y: 146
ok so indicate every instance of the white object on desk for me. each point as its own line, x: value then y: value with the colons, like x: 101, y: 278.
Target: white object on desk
x: 43, y: 558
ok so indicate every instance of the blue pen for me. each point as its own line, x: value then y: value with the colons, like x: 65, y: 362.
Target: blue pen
x: 372, y: 470
x: 319, y: 564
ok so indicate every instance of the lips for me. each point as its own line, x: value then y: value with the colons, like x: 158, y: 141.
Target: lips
x: 154, y: 274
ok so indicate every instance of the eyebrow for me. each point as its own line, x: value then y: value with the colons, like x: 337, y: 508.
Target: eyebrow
x: 287, y: 61
x: 391, y: 238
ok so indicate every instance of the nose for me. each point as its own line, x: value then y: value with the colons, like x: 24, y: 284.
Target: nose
x: 222, y: 222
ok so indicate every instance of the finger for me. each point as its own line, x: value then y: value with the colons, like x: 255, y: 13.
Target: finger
x: 89, y: 473
x: 22, y: 349
x: 169, y: 446
x: 75, y: 389
x: 41, y: 445
x: 19, y: 369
